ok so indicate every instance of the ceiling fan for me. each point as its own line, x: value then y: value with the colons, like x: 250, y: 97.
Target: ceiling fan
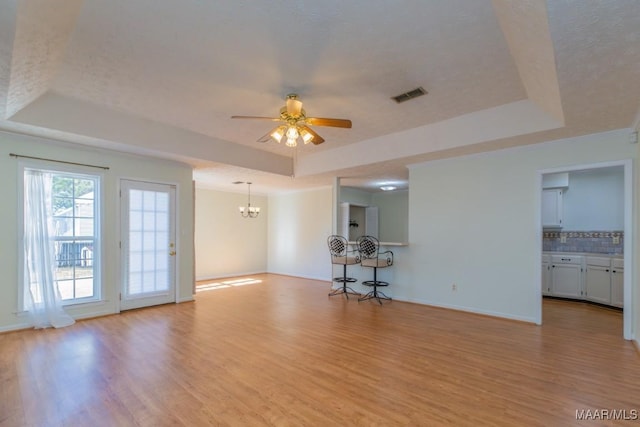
x: 296, y: 124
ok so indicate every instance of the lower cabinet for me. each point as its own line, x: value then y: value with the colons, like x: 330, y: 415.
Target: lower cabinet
x: 592, y: 278
x: 546, y: 275
x: 566, y: 276
x: 597, y: 281
x: 617, y: 282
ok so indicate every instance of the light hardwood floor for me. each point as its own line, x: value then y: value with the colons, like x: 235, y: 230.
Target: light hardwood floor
x: 280, y: 352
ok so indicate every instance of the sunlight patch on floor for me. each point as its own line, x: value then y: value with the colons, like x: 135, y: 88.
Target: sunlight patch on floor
x: 212, y: 286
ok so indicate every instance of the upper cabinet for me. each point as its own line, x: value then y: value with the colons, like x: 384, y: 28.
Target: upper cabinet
x: 584, y: 200
x: 552, y: 208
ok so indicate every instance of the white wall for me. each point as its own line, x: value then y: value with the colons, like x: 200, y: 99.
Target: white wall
x: 121, y: 166
x: 226, y: 243
x: 594, y: 200
x: 355, y: 197
x: 473, y: 222
x: 299, y: 224
x: 393, y: 215
x: 393, y: 212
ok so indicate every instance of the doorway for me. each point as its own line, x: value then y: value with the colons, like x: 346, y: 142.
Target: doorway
x: 147, y: 243
x: 627, y: 232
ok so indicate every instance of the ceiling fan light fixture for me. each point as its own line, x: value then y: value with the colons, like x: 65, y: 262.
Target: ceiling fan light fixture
x: 306, y: 136
x: 278, y: 133
x: 296, y: 124
x: 291, y: 142
x: 292, y: 132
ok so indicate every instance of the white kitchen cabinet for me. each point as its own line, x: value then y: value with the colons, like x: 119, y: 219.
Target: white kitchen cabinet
x: 546, y: 275
x: 617, y: 282
x: 597, y: 281
x: 566, y: 276
x: 552, y: 208
x: 593, y: 278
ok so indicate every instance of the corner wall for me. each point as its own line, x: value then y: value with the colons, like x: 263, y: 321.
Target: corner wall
x: 226, y: 243
x: 121, y: 166
x: 299, y: 224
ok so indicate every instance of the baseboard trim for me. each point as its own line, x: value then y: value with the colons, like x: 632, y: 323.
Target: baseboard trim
x: 16, y: 327
x: 227, y: 276
x: 469, y: 310
x: 320, y: 279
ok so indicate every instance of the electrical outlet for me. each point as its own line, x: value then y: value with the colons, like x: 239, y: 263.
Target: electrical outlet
x: 454, y: 287
x: 616, y: 240
x: 563, y: 238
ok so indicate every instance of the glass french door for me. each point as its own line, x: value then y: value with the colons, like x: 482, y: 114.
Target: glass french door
x: 148, y: 244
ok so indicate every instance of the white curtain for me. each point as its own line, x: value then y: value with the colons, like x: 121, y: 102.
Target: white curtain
x: 43, y: 301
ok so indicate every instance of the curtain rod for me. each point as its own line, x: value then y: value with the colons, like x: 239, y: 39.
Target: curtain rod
x: 58, y: 161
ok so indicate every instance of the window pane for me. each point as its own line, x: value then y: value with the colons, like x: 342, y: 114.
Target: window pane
x: 61, y: 186
x: 62, y: 205
x: 83, y: 188
x: 149, y: 201
x: 135, y: 261
x: 135, y: 283
x: 66, y: 289
x: 162, y: 222
x: 135, y: 221
x: 135, y: 241
x: 135, y: 200
x: 162, y: 202
x: 84, y: 227
x: 149, y: 221
x: 84, y: 207
x: 84, y: 287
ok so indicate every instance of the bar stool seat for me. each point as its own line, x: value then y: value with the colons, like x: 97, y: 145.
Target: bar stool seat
x: 341, y: 255
x: 369, y: 248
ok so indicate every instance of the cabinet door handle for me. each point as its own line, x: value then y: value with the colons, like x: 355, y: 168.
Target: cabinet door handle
x: 607, y: 270
x: 566, y: 259
x: 613, y: 271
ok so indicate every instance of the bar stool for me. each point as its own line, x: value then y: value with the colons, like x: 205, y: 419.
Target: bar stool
x: 370, y: 256
x: 341, y: 255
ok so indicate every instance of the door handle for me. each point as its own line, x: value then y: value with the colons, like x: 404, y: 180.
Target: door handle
x: 172, y: 253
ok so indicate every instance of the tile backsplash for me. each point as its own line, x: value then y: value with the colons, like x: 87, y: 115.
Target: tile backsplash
x: 599, y: 242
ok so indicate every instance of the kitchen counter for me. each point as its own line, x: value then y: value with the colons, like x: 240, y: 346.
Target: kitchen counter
x: 584, y: 254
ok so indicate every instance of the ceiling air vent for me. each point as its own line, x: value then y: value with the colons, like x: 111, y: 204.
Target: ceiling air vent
x: 409, y: 95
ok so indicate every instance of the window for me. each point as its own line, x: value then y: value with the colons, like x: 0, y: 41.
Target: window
x: 75, y: 231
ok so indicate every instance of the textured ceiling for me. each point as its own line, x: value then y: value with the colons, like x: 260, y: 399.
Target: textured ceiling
x: 162, y: 78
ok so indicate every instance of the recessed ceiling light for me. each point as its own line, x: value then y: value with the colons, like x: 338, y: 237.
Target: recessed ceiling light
x: 388, y: 188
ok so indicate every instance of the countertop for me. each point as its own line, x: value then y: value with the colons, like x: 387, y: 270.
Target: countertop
x: 585, y: 254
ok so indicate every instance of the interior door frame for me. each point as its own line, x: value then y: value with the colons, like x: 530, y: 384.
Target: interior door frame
x: 629, y: 267
x: 120, y: 219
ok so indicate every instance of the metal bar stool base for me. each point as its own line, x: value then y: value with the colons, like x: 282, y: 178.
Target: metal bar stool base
x: 375, y: 293
x: 346, y: 290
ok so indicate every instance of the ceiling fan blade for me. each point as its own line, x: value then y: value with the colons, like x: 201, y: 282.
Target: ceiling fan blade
x: 317, y: 139
x: 294, y: 107
x: 321, y: 121
x: 267, y: 136
x: 257, y: 117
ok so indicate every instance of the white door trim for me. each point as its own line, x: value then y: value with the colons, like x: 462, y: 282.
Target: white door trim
x: 629, y: 270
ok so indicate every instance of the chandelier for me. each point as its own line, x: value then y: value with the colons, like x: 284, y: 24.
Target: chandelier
x: 249, y: 211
